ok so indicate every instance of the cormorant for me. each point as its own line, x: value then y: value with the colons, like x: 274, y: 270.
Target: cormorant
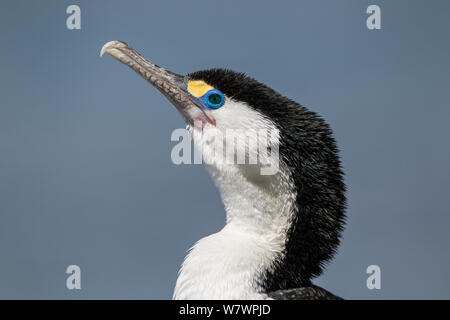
x: 281, y: 228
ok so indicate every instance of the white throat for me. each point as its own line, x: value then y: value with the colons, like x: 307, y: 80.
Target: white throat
x: 229, y: 264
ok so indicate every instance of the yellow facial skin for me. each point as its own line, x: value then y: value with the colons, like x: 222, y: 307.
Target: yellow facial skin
x: 198, y: 88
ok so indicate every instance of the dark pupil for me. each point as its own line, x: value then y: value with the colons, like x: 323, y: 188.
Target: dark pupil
x: 214, y: 98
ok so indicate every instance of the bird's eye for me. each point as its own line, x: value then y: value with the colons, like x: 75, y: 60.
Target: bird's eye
x: 214, y: 99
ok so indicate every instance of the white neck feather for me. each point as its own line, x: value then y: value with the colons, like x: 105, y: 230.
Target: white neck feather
x: 229, y: 263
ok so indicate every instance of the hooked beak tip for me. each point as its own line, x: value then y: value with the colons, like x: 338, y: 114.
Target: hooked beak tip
x: 111, y: 45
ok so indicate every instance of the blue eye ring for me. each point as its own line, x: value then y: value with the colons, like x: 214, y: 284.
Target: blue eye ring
x: 214, y: 99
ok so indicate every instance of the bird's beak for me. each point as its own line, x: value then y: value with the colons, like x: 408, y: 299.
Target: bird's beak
x: 170, y: 84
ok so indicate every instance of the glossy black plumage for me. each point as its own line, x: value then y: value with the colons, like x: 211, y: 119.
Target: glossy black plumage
x: 309, y: 151
x: 305, y: 293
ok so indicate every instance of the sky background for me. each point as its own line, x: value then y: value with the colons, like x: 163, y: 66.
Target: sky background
x: 85, y: 170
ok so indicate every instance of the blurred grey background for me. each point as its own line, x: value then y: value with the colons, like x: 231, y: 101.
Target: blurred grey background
x: 85, y: 170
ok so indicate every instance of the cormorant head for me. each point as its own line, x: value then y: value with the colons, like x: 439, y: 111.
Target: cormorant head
x: 219, y: 106
x: 306, y: 190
